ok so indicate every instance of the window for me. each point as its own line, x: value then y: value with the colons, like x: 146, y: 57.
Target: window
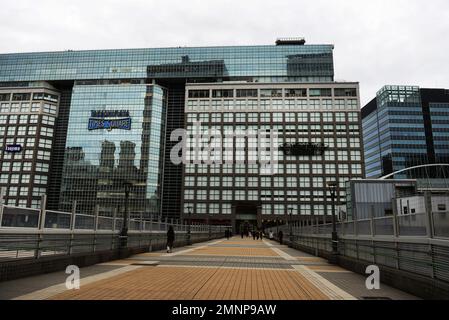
x: 265, y: 117
x: 25, y: 178
x: 188, y: 194
x: 198, y: 93
x: 441, y: 207
x: 48, y: 132
x: 320, y: 92
x: 6, y: 166
x: 49, y: 108
x: 4, y: 107
x: 45, y: 96
x: 271, y: 92
x: 38, y: 179
x: 23, y: 191
x: 33, y: 119
x: 296, y: 92
x: 15, y: 178
x: 16, y: 166
x: 42, y: 167
x: 21, y: 96
x: 35, y: 107
x: 242, y: 93
x: 15, y: 107
x: 277, y: 117
x: 340, y: 117
x: 5, y: 96
x: 223, y: 93
x: 345, y: 92
x: 48, y: 120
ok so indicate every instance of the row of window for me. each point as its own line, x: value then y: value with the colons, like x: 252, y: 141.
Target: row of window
x: 27, y: 96
x: 28, y: 142
x: 299, y: 104
x: 267, y: 209
x: 32, y: 119
x: 14, y: 131
x: 27, y: 107
x: 27, y: 154
x: 35, y: 203
x: 23, y: 166
x: 262, y: 181
x: 274, y: 117
x: 278, y: 92
x: 23, y: 179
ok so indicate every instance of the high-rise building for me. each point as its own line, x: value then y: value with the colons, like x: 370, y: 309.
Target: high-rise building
x: 317, y: 127
x: 116, y: 110
x: 403, y: 127
x: 27, y: 126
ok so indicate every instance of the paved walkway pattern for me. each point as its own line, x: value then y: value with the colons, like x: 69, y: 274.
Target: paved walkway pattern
x: 235, y: 269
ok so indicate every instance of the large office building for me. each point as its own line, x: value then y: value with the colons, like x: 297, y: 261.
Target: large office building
x: 404, y: 127
x: 317, y: 127
x: 105, y: 118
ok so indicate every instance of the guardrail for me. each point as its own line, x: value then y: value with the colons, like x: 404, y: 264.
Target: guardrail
x: 32, y: 233
x: 416, y: 243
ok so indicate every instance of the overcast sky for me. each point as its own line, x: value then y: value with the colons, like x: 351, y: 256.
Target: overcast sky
x: 377, y: 42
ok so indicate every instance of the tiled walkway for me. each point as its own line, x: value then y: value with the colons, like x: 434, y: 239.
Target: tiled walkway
x: 235, y: 269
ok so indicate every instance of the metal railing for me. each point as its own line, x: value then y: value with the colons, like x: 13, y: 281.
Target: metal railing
x: 417, y: 243
x: 32, y: 233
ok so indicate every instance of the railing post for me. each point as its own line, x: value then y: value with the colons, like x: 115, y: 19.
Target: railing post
x: 2, y: 195
x: 41, y: 223
x: 141, y: 222
x: 373, y: 232
x: 395, y: 218
x: 429, y: 215
x: 72, y: 227
x: 114, y: 220
x: 96, y: 218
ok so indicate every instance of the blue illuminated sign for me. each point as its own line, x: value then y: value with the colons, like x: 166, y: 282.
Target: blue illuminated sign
x: 109, y: 119
x: 13, y: 148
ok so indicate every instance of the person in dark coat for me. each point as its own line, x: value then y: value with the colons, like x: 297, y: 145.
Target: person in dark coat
x: 170, y: 239
x: 227, y: 234
x: 280, y: 235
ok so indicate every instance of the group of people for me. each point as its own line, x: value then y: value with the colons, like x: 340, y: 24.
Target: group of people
x: 256, y: 234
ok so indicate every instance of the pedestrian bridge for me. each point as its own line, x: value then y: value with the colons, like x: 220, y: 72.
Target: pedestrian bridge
x: 234, y: 269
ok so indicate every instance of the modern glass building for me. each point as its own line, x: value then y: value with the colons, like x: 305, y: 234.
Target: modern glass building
x: 115, y: 137
x: 117, y: 108
x: 403, y: 127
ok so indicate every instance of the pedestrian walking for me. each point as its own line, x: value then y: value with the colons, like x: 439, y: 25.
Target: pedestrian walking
x: 280, y: 235
x: 170, y: 239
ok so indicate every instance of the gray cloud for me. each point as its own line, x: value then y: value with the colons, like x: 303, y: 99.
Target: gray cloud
x: 377, y: 42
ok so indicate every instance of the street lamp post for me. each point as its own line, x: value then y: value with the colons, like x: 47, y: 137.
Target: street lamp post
x: 124, y: 232
x: 189, y: 209
x: 290, y: 209
x: 332, y: 186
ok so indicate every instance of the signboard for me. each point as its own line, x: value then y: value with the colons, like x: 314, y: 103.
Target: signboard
x: 109, y: 119
x: 13, y: 148
x: 303, y: 149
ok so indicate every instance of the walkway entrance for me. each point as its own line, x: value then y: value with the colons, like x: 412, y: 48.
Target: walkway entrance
x: 245, y: 217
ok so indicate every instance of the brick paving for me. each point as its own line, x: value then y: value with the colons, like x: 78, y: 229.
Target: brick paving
x: 236, y: 269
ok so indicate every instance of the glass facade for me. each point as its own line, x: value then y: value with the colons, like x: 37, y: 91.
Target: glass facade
x: 114, y: 137
x: 273, y: 63
x: 439, y: 115
x: 402, y: 128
